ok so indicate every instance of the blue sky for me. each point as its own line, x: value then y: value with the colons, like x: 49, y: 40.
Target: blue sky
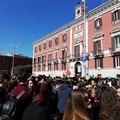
x: 24, y: 21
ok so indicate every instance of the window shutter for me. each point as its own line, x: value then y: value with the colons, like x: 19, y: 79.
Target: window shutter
x: 95, y: 24
x: 95, y: 48
x: 114, y: 62
x: 113, y: 44
x: 113, y: 16
x: 95, y: 64
x: 100, y: 22
x: 119, y: 14
x: 101, y: 62
x: 99, y: 46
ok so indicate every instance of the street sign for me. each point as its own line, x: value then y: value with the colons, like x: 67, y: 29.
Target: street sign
x: 84, y: 58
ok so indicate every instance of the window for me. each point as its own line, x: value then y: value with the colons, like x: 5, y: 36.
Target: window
x: 49, y: 57
x: 43, y: 67
x: 64, y: 54
x: 35, y: 49
x: 39, y: 67
x: 56, y: 41
x: 99, y: 63
x: 50, y: 43
x: 44, y: 58
x: 39, y: 60
x: 77, y: 51
x: 97, y: 47
x: 116, y: 43
x: 63, y: 66
x: 64, y: 37
x: 34, y: 60
x: 98, y: 23
x: 49, y: 67
x: 55, y: 66
x: 117, y: 62
x: 39, y: 47
x: 116, y: 17
x: 44, y: 45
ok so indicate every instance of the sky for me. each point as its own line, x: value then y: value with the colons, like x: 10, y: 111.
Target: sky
x: 23, y: 22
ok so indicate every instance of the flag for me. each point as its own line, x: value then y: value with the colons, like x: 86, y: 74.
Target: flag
x: 67, y: 73
x: 67, y: 49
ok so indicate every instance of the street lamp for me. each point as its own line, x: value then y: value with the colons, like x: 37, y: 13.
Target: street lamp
x: 84, y: 56
x: 14, y: 46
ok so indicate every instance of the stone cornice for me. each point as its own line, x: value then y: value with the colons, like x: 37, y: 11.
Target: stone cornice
x: 102, y: 7
x: 115, y: 30
x: 79, y: 20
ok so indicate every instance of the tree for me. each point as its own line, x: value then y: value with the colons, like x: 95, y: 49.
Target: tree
x: 23, y: 69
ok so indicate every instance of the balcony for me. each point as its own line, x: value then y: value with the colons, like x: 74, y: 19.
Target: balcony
x: 63, y: 59
x: 115, y: 51
x: 50, y: 61
x: 76, y: 57
x: 98, y: 53
x: 43, y: 62
x: 55, y: 60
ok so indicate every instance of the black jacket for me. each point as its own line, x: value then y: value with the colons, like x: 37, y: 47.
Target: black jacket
x: 35, y: 112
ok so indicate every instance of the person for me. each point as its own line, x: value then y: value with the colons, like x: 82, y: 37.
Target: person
x: 118, y: 92
x: 110, y: 105
x: 62, y: 94
x: 95, y: 103
x: 77, y: 106
x: 2, y: 92
x: 43, y: 105
x: 24, y: 101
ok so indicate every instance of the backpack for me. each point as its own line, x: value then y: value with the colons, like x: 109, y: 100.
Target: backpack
x: 10, y: 107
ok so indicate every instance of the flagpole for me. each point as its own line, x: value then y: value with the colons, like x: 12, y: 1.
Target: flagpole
x: 84, y: 65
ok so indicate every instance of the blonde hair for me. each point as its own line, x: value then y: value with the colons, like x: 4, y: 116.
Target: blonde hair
x: 76, y: 106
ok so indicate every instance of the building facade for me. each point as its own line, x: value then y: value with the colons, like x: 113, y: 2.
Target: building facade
x: 90, y: 44
x: 6, y: 62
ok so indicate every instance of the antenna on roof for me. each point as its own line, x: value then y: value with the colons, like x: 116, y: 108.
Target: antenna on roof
x: 78, y: 2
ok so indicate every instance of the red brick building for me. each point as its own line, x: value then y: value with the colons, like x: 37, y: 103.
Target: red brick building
x: 6, y: 62
x: 95, y: 35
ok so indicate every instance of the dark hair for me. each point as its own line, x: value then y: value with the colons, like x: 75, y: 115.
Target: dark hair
x: 22, y: 77
x: 43, y: 96
x: 109, y: 104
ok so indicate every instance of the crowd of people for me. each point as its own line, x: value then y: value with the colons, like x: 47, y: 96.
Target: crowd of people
x: 58, y: 98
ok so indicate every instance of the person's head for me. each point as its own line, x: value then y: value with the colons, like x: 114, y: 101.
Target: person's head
x: 22, y: 78
x: 109, y: 104
x: 114, y: 83
x: 93, y: 83
x: 4, y: 79
x: 58, y: 83
x: 44, y: 95
x: 30, y: 84
x: 93, y: 93
x: 118, y: 92
x: 76, y: 107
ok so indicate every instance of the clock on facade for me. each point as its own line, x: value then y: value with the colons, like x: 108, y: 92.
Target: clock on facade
x: 78, y: 11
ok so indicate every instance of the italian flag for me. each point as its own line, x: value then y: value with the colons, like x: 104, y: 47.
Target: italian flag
x: 67, y: 73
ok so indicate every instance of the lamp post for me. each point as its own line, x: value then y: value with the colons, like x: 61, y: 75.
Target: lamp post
x: 84, y: 57
x: 14, y: 46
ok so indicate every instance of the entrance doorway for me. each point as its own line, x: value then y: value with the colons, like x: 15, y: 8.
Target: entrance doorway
x: 78, y: 69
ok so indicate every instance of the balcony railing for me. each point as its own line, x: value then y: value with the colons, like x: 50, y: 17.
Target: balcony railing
x: 55, y: 60
x: 63, y: 59
x: 98, y: 53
